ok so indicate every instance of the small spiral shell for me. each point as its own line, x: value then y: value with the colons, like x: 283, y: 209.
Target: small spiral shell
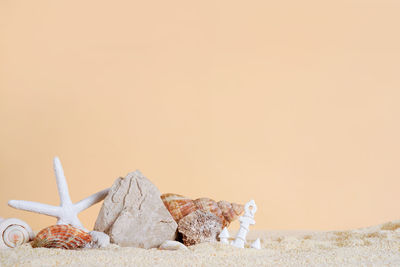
x: 14, y: 232
x: 61, y: 236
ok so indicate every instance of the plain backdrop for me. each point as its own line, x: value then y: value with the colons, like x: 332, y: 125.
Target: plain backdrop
x: 294, y: 104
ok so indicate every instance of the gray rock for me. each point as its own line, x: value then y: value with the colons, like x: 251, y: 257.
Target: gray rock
x: 134, y: 215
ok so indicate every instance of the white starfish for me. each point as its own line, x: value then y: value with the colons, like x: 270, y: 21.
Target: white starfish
x: 67, y: 212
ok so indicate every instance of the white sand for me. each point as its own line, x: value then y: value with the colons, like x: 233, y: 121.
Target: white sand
x: 374, y: 246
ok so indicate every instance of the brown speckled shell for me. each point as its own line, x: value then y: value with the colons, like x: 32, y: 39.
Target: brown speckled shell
x: 61, y: 236
x: 198, y: 227
x: 207, y: 204
x: 180, y: 206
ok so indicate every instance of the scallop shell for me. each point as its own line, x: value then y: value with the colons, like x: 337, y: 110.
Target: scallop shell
x: 61, y: 236
x: 14, y: 232
x: 180, y: 206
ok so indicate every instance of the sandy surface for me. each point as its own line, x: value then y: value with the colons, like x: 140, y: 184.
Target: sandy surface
x: 373, y: 246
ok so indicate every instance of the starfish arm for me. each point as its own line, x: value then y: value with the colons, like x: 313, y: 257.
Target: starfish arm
x: 61, y: 183
x: 91, y: 200
x: 35, y: 207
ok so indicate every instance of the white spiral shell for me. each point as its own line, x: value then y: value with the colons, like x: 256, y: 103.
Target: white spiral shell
x: 14, y: 232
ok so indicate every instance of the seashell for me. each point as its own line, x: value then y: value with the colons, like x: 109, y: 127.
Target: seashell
x: 198, y: 227
x: 172, y: 245
x: 230, y: 211
x: 180, y: 206
x: 61, y: 236
x: 207, y: 204
x: 14, y: 232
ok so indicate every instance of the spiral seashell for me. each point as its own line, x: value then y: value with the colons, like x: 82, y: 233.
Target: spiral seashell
x: 207, y: 204
x: 231, y: 211
x: 61, y: 236
x: 14, y: 232
x: 180, y: 206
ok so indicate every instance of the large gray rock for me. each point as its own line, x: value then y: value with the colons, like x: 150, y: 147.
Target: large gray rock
x: 133, y: 214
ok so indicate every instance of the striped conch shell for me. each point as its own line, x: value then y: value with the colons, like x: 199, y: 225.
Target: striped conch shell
x: 14, y: 232
x: 180, y: 206
x: 61, y: 236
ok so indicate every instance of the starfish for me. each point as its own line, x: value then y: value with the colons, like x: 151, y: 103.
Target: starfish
x: 67, y: 212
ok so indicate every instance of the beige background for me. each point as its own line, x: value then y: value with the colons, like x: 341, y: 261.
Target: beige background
x: 292, y: 103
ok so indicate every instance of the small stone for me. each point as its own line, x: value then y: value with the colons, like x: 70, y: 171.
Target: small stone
x: 224, y: 236
x: 256, y: 244
x: 198, y: 227
x: 133, y: 214
x: 172, y: 245
x: 99, y: 240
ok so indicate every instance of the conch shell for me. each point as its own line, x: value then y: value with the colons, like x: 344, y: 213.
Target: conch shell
x: 61, y: 236
x: 180, y: 206
x: 14, y: 232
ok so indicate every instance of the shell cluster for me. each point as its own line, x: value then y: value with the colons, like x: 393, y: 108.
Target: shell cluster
x: 200, y: 220
x: 180, y: 206
x: 61, y: 236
